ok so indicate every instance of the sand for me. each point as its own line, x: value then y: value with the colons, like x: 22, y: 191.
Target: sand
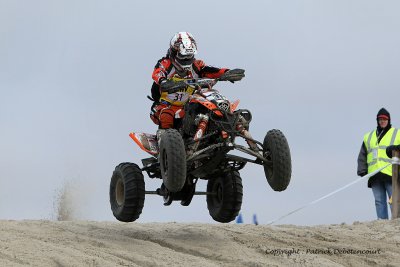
x: 87, y: 243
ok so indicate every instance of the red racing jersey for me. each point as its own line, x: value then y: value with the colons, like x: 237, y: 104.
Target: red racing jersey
x: 164, y: 69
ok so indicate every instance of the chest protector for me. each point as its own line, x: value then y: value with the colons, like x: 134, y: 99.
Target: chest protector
x: 376, y: 152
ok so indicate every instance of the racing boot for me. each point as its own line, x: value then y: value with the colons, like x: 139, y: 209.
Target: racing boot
x: 158, y: 134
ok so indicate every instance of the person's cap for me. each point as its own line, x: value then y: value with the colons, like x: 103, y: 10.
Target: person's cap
x: 383, y: 117
x: 383, y: 114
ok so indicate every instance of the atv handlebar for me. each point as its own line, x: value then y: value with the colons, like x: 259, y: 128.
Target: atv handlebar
x: 232, y: 76
x: 199, y: 83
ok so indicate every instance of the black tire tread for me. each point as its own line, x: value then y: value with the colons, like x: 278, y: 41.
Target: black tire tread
x: 172, y: 143
x: 134, y: 186
x: 231, y: 199
x: 281, y: 158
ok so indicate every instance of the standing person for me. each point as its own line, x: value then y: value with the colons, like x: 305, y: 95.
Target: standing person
x: 373, y: 156
x: 168, y: 91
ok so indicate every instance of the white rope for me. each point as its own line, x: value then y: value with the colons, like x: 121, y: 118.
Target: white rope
x: 328, y: 195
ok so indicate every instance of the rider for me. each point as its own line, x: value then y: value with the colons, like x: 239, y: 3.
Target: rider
x: 169, y: 92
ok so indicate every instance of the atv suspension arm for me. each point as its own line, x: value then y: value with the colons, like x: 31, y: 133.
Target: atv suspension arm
x: 195, y: 154
x: 253, y: 153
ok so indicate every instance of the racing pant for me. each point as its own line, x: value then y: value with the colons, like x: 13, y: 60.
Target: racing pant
x: 163, y: 115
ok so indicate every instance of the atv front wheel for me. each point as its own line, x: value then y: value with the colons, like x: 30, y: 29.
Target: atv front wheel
x: 127, y: 192
x: 172, y: 160
x: 224, y: 196
x: 278, y: 169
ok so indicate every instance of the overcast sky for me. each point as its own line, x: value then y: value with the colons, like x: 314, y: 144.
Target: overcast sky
x: 74, y: 76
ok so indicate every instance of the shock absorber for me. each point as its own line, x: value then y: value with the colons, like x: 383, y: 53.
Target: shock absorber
x: 251, y: 144
x: 202, y: 122
x: 243, y: 130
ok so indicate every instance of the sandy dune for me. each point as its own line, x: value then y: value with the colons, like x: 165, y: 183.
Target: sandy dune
x: 82, y: 243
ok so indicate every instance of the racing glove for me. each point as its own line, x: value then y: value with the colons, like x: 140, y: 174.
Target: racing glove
x: 171, y: 86
x: 389, y: 150
x: 232, y: 75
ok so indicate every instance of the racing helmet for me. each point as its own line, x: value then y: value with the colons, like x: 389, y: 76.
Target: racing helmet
x: 182, y: 49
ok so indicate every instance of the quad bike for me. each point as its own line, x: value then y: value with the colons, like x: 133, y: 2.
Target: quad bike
x: 199, y: 149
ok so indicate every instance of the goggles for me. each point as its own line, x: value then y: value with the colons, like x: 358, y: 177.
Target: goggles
x: 184, y: 59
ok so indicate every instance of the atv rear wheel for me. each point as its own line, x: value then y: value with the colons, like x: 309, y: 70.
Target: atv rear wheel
x: 172, y: 160
x: 278, y: 170
x: 224, y: 198
x: 127, y: 192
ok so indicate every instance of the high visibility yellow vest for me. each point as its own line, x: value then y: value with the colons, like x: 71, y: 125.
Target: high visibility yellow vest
x: 376, y: 153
